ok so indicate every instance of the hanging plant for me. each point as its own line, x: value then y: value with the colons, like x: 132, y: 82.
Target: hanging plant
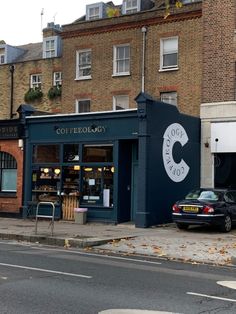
x: 33, y: 94
x: 54, y: 92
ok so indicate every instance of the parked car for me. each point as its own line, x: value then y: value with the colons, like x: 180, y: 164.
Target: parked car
x: 206, y: 207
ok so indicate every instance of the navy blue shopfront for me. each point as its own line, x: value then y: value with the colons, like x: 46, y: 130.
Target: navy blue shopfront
x: 123, y: 166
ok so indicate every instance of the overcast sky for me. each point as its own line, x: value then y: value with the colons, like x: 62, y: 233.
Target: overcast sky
x: 21, y: 20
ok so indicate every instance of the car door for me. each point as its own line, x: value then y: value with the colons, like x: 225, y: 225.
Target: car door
x: 230, y: 198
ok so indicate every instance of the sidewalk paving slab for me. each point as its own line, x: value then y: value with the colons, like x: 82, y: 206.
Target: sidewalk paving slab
x: 197, y: 245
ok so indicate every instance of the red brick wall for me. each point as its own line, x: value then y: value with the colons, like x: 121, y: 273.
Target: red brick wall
x: 219, y: 50
x: 13, y: 204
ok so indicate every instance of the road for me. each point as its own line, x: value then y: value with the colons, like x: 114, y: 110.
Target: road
x: 41, y: 279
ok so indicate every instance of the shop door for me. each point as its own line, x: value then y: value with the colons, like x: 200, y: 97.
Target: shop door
x: 134, y: 190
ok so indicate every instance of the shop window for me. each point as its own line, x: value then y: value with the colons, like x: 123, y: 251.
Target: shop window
x: 97, y: 186
x: 8, y: 172
x: 97, y: 153
x: 46, y: 153
x: 71, y: 153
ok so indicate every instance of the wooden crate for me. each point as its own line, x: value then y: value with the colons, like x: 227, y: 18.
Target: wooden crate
x: 69, y: 203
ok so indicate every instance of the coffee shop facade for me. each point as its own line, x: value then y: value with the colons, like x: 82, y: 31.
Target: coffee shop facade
x: 129, y: 165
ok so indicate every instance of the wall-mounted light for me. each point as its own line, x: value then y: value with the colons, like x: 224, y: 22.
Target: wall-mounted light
x: 45, y: 170
x: 112, y: 169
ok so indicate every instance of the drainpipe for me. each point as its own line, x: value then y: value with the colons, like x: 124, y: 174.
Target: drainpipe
x: 12, y: 69
x: 144, y: 32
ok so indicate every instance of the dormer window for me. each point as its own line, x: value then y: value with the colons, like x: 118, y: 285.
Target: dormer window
x: 95, y: 11
x: 131, y: 6
x: 51, y: 47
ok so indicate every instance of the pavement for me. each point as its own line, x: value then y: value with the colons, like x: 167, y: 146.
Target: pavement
x: 195, y: 245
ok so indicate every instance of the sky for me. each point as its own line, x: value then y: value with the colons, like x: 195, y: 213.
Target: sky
x: 21, y: 21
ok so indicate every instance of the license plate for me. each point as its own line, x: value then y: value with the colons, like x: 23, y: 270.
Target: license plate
x: 190, y: 209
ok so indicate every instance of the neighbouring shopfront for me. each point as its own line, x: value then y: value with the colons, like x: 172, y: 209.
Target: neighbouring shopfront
x: 122, y: 166
x: 11, y: 167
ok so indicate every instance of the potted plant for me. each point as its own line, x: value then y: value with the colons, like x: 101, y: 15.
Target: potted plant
x: 54, y: 92
x: 33, y: 94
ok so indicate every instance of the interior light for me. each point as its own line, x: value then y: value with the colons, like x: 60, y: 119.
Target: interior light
x: 57, y: 171
x: 113, y: 169
x: 88, y: 169
x: 77, y: 167
x: 45, y: 170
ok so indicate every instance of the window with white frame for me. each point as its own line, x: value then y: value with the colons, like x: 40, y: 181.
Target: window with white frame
x: 121, y: 62
x: 83, y: 62
x: 94, y: 13
x: 131, y: 6
x: 169, y: 98
x: 50, y: 49
x: 169, y: 53
x: 57, y: 78
x: 82, y: 105
x: 36, y: 81
x: 2, y: 58
x: 120, y: 102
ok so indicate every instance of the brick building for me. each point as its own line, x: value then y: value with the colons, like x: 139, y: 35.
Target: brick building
x: 108, y: 61
x: 27, y: 67
x: 158, y: 54
x: 218, y: 108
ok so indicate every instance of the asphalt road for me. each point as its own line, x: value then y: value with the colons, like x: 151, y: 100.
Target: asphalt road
x: 40, y: 279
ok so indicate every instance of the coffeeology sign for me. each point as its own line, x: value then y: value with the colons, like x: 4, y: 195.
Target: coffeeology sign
x: 81, y: 130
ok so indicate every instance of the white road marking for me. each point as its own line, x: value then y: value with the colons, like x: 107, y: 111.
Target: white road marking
x: 46, y: 270
x: 129, y: 311
x: 228, y: 284
x: 211, y: 297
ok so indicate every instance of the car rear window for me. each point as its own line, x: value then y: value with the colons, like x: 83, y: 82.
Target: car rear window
x: 203, y: 195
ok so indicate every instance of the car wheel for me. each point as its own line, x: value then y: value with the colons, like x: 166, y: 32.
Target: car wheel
x: 227, y: 224
x: 182, y: 226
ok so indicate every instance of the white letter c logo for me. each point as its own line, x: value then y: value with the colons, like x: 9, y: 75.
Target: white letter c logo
x: 177, y: 172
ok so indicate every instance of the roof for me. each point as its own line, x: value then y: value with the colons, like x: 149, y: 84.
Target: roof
x: 33, y: 51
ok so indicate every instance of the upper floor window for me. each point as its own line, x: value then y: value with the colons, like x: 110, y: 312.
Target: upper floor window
x: 82, y: 105
x: 169, y: 53
x: 121, y: 61
x: 131, y: 6
x: 57, y: 78
x: 83, y: 64
x: 8, y: 173
x: 169, y: 98
x: 51, y: 47
x: 2, y: 58
x: 36, y: 81
x: 120, y: 102
x: 93, y: 13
